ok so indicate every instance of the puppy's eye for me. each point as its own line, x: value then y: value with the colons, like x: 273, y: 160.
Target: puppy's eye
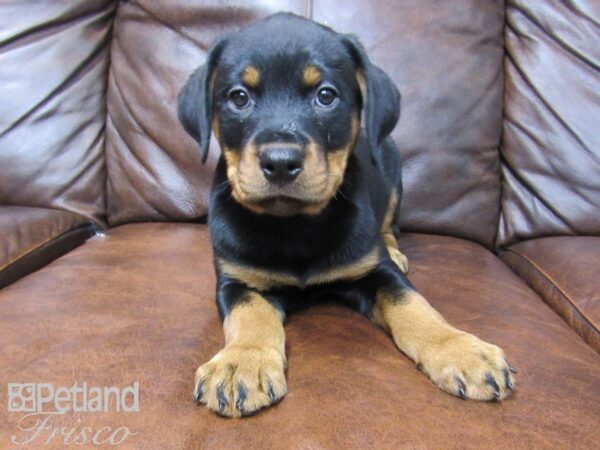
x: 326, y: 96
x: 239, y: 98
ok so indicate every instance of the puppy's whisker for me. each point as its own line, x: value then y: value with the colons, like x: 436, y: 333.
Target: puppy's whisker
x: 222, y: 185
x: 340, y: 193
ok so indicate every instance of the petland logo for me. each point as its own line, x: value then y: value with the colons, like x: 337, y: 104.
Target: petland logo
x: 42, y: 402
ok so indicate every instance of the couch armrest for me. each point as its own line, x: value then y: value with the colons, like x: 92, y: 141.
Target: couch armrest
x: 564, y: 272
x: 32, y: 237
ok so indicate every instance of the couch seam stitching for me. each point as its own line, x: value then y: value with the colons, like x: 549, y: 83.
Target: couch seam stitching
x: 558, y: 289
x: 48, y: 241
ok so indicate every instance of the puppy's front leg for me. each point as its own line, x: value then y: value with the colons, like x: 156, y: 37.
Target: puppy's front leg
x: 458, y: 362
x: 248, y: 374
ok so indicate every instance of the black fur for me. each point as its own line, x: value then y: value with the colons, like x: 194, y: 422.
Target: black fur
x: 382, y: 108
x: 195, y: 101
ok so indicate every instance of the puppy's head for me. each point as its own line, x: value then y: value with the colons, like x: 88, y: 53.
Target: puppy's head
x: 284, y: 98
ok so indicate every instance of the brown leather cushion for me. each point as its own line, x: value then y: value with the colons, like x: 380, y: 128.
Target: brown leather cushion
x: 138, y: 305
x: 447, y: 62
x: 32, y: 237
x: 551, y: 140
x: 564, y: 271
x: 54, y: 62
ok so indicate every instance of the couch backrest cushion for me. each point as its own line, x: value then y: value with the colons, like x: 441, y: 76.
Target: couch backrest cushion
x: 551, y: 138
x: 53, y: 68
x: 447, y: 61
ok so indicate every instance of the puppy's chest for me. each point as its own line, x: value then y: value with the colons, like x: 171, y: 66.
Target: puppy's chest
x: 264, y: 278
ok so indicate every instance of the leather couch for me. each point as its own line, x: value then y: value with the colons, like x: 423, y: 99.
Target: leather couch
x: 105, y: 260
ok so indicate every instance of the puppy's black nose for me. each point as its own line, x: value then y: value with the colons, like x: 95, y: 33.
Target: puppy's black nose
x: 281, y: 165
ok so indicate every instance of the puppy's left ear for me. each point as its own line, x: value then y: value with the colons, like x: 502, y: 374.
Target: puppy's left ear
x: 380, y: 97
x: 194, y: 107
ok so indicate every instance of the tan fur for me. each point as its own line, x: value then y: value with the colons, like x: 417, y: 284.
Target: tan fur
x: 311, y: 76
x: 251, y: 76
x: 248, y: 183
x: 256, y: 278
x: 388, y: 235
x: 443, y: 352
x: 264, y: 280
x: 253, y: 357
x: 241, y: 326
x: 386, y: 225
x: 243, y: 173
x: 362, y: 85
x: 353, y: 271
x: 318, y: 182
x: 336, y: 167
x: 216, y: 128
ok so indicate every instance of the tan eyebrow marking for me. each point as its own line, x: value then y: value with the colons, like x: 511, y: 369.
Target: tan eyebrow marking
x: 251, y: 76
x: 311, y: 75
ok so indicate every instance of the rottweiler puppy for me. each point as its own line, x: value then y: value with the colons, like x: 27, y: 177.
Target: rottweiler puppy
x: 304, y: 208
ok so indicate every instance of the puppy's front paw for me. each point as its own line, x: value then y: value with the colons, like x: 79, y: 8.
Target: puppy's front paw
x: 468, y: 367
x: 238, y: 381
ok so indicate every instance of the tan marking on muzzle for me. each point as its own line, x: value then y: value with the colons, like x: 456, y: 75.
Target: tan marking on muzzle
x: 322, y: 175
x: 336, y: 168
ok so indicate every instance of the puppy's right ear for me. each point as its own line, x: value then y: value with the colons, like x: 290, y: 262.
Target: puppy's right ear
x: 194, y: 107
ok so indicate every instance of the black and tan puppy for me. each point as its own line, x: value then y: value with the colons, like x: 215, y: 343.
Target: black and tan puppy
x: 303, y: 209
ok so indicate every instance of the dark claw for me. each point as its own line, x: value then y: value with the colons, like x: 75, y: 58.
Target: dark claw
x: 489, y: 379
x: 511, y: 368
x: 507, y: 381
x: 242, y: 395
x: 271, y: 393
x: 221, y: 398
x: 420, y: 367
x: 462, y: 389
x: 199, y: 392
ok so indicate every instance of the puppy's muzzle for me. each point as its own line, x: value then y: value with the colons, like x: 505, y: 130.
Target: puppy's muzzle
x: 281, y: 164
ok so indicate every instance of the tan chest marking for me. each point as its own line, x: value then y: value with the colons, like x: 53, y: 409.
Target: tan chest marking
x: 263, y: 280
x: 256, y: 278
x: 352, y: 271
